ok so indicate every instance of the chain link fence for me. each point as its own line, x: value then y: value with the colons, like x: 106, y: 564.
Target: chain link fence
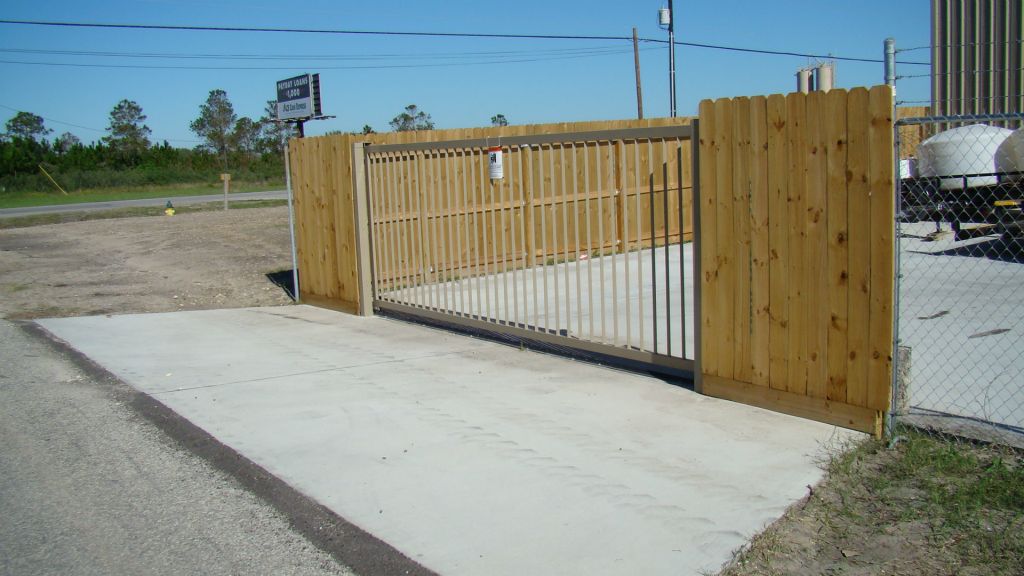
x: 959, y: 366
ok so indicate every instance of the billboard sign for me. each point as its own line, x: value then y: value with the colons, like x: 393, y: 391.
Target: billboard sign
x: 298, y: 97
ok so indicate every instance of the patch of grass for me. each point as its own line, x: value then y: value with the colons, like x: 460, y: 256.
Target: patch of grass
x: 64, y: 217
x: 928, y: 505
x: 25, y: 199
x: 971, y: 496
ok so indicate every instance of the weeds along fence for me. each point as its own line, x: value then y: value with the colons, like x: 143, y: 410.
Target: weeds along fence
x: 324, y: 203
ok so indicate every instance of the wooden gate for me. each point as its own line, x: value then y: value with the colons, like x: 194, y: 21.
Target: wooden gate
x: 797, y: 253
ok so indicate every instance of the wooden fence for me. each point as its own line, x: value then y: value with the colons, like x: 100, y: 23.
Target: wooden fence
x: 797, y: 253
x: 556, y: 202
x: 324, y: 204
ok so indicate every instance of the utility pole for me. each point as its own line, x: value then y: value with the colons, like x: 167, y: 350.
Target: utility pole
x: 672, y: 57
x: 636, y: 65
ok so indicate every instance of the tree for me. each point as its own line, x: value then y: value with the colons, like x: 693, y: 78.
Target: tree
x: 246, y: 136
x: 499, y: 120
x: 65, y: 142
x: 367, y: 129
x: 215, y: 123
x: 128, y: 137
x: 272, y: 131
x: 412, y: 119
x: 27, y: 126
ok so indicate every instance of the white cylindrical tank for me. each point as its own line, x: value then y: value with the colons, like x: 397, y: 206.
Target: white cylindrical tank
x: 960, y: 151
x: 824, y: 77
x: 1010, y: 156
x: 803, y: 81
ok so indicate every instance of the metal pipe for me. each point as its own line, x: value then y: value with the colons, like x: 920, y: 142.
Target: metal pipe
x: 672, y: 57
x: 291, y: 219
x: 890, y: 62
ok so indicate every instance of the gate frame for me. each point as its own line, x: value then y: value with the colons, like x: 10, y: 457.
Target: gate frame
x: 369, y: 304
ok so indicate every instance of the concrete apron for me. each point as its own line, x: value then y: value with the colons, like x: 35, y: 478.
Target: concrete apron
x: 468, y: 456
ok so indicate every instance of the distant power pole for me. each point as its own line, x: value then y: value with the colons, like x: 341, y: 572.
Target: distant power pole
x: 667, y: 19
x: 639, y: 91
x: 672, y: 56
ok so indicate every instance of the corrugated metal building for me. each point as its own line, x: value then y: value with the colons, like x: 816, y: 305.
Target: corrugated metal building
x: 977, y: 56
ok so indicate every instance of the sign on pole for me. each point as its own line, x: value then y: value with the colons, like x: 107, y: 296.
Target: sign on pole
x: 299, y: 97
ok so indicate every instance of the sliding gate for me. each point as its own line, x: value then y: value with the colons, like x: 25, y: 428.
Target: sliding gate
x: 582, y: 241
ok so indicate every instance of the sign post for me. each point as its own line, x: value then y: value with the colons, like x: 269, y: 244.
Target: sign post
x: 227, y: 183
x: 298, y: 100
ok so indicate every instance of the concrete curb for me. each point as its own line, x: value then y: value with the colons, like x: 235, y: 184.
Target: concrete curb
x: 347, y: 543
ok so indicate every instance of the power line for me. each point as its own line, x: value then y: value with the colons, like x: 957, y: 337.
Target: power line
x: 435, y: 34
x: 785, y: 53
x: 387, y: 56
x: 313, y: 31
x: 54, y: 121
x: 319, y: 67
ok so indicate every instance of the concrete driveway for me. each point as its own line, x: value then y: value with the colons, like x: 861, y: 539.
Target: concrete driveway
x: 468, y: 456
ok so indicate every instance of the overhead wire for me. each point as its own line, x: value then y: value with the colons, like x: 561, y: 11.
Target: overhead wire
x: 386, y: 56
x: 434, y: 34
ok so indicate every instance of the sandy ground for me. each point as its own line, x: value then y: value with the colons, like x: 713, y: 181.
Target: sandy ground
x: 88, y: 485
x: 147, y: 264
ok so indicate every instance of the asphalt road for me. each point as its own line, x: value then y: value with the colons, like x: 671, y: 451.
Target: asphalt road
x: 87, y: 486
x: 143, y: 202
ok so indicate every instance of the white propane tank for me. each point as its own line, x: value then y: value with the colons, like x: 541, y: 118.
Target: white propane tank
x: 1010, y: 156
x: 965, y: 150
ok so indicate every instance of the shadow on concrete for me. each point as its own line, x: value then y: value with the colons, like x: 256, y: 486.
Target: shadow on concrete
x: 999, y: 248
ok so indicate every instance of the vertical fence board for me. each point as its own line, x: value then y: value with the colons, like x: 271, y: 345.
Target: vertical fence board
x: 725, y: 243
x: 778, y: 242
x: 709, y: 241
x: 740, y: 257
x: 796, y: 104
x: 838, y: 255
x: 882, y: 247
x: 859, y: 202
x: 760, y: 290
x: 816, y: 243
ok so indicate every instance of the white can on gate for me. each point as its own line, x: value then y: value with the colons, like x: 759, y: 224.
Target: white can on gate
x: 494, y: 159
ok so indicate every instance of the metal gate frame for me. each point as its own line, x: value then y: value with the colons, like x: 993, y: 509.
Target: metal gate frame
x: 644, y: 359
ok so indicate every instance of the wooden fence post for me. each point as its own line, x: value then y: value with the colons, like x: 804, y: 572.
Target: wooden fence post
x: 362, y: 225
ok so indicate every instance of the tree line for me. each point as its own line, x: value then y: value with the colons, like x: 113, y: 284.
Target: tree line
x: 250, y: 148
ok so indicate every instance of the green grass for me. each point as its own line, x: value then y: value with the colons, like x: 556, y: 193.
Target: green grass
x: 25, y: 199
x: 972, y: 497
x: 927, y: 505
x: 60, y: 218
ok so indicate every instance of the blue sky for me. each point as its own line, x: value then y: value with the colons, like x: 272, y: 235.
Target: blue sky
x: 459, y: 81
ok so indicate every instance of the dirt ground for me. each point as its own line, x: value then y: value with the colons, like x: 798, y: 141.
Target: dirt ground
x: 145, y: 264
x: 927, y: 507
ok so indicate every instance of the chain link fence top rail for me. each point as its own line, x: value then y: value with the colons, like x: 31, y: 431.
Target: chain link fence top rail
x: 960, y: 308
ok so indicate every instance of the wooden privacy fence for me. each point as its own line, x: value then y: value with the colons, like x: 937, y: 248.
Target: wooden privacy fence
x: 796, y: 219
x: 324, y: 204
x: 557, y: 201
